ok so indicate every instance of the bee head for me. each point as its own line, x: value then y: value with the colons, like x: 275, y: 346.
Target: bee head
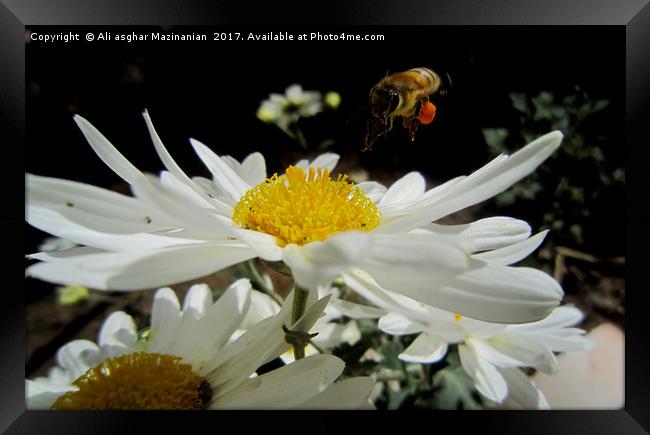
x: 383, y: 101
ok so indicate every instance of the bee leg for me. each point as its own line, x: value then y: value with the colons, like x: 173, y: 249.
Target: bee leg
x: 412, y: 124
x: 388, y: 125
x: 375, y: 127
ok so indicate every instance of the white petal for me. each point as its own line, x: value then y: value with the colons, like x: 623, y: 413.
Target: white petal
x: 487, y: 234
x: 213, y: 189
x: 560, y: 317
x: 173, y: 167
x: 286, y: 387
x: 264, y: 245
x: 117, y: 334
x: 302, y: 164
x: 403, y: 192
x: 80, y: 197
x: 227, y: 314
x: 197, y: 300
x: 165, y: 318
x: 222, y: 173
x: 64, y: 226
x: 260, y: 344
x: 197, y: 192
x: 356, y: 311
x: 522, y: 390
x: 198, y: 338
x: 43, y: 396
x: 484, y: 350
x: 513, y: 253
x: 326, y: 161
x: 555, y: 331
x: 240, y: 358
x: 405, y: 219
x: 78, y: 356
x: 262, y: 306
x: 168, y: 207
x: 528, y: 350
x: 254, y: 169
x: 392, y: 260
x: 492, y: 293
x: 56, y: 255
x: 373, y: 190
x: 318, y: 263
x: 138, y: 270
x: 107, y: 152
x: 487, y: 379
x: 425, y: 349
x: 403, y: 260
x: 332, y: 334
x: 351, y: 393
x: 397, y: 324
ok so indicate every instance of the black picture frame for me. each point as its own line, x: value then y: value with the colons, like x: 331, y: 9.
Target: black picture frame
x: 634, y: 16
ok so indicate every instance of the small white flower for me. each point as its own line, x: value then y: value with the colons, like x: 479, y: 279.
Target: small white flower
x: 188, y: 362
x: 490, y: 353
x: 177, y: 228
x: 286, y: 109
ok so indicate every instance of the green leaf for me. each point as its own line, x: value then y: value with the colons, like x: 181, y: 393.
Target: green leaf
x: 599, y: 105
x: 397, y: 397
x: 506, y: 198
x: 453, y: 388
x: 519, y: 102
x: 391, y: 351
x: 495, y: 138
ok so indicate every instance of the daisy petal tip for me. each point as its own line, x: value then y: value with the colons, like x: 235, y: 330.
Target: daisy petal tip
x: 554, y: 138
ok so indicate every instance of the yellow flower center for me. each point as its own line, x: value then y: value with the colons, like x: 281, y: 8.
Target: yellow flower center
x: 138, y: 381
x: 296, y: 208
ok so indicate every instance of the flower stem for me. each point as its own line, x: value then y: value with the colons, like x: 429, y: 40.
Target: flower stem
x: 300, y: 137
x: 299, y: 303
x: 259, y: 282
x: 297, y: 339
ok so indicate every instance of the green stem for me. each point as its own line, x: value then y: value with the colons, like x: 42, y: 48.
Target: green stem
x: 300, y: 296
x: 300, y: 137
x: 299, y: 303
x: 259, y: 282
x: 426, y: 373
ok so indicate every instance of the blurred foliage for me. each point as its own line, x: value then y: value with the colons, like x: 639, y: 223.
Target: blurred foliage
x: 72, y: 294
x: 454, y: 387
x: 578, y: 177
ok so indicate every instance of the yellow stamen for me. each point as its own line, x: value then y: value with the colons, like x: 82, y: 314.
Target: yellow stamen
x: 457, y: 317
x: 296, y: 208
x: 138, y: 381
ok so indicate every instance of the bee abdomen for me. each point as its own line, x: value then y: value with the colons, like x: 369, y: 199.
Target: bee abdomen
x: 427, y: 77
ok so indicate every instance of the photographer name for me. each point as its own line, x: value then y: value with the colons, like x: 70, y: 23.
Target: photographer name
x: 153, y: 36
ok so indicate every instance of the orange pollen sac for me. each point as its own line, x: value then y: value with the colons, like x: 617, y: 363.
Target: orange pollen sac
x: 138, y: 381
x: 427, y: 113
x: 301, y: 207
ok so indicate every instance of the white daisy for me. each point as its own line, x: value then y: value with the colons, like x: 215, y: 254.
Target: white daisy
x: 186, y: 361
x: 492, y: 354
x: 283, y: 110
x: 177, y: 228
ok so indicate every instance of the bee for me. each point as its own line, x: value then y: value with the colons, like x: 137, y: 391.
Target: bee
x: 402, y: 95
